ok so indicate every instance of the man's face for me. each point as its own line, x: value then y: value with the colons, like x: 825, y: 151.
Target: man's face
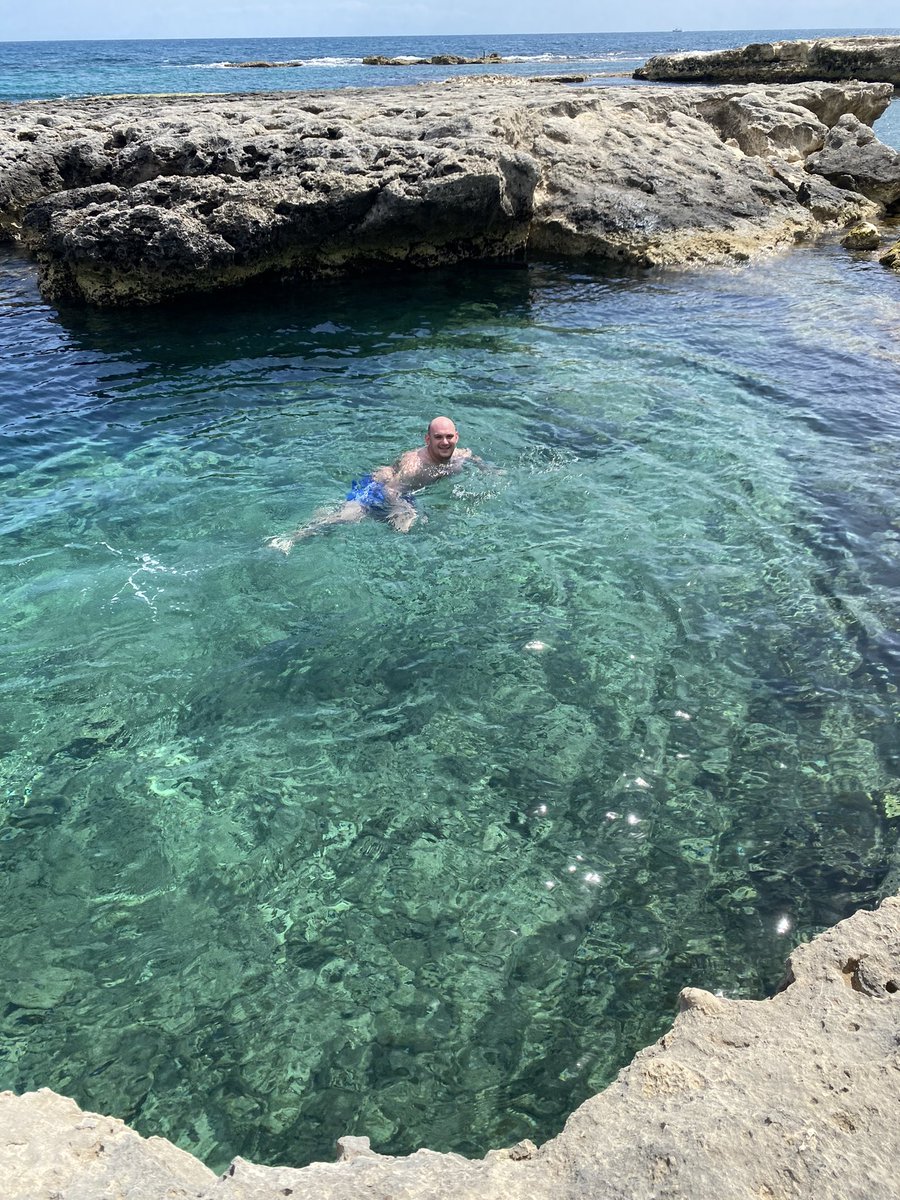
x: 441, y: 439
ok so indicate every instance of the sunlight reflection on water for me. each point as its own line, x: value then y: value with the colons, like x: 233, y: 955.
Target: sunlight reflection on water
x: 419, y: 836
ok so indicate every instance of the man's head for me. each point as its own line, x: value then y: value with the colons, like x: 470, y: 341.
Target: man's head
x: 441, y: 438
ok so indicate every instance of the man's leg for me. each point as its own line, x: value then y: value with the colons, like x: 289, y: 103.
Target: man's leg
x: 347, y: 514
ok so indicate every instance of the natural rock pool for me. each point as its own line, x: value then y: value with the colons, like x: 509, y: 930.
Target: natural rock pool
x: 419, y: 836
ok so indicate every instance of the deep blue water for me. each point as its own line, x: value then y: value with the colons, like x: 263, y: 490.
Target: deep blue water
x: 31, y: 70
x: 419, y: 836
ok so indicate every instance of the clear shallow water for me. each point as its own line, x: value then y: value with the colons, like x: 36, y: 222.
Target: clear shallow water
x: 296, y: 847
x: 34, y: 70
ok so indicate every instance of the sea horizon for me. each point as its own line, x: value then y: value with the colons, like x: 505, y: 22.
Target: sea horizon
x: 827, y: 31
x: 48, y: 68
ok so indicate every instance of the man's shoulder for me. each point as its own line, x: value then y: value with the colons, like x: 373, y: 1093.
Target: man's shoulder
x: 408, y: 465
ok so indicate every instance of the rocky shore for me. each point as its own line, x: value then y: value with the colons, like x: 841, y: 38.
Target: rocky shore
x: 795, y: 1096
x: 137, y: 200
x: 873, y: 58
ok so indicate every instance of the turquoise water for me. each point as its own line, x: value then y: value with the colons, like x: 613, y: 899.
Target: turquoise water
x: 419, y: 836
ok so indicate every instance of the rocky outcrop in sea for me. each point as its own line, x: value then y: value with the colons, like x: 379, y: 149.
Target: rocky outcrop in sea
x: 264, y: 63
x: 872, y: 58
x: 137, y: 200
x: 793, y: 1096
x: 436, y: 60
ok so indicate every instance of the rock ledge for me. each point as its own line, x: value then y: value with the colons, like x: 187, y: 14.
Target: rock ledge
x: 873, y: 58
x: 796, y: 1096
x: 135, y: 200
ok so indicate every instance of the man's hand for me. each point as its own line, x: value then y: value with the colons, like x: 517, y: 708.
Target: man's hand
x: 400, y: 513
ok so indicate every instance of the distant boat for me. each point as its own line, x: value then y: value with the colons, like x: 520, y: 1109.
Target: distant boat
x: 677, y: 30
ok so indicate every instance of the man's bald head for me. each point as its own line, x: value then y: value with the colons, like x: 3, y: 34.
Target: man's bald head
x: 441, y: 438
x: 443, y: 422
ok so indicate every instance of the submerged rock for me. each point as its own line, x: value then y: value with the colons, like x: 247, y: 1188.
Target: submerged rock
x: 871, y: 58
x: 863, y: 236
x: 793, y: 1096
x: 133, y: 200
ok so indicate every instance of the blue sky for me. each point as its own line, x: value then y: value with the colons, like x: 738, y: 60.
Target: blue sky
x: 36, y: 19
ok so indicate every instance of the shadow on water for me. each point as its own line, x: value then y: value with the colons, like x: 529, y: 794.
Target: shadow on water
x: 419, y: 837
x: 377, y: 310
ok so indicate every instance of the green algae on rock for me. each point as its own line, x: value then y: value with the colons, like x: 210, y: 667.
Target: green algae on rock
x: 863, y: 236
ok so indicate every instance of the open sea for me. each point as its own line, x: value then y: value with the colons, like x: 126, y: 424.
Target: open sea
x: 419, y: 836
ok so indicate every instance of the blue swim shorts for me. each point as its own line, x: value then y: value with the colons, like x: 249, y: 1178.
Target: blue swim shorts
x: 370, y: 494
x: 367, y: 492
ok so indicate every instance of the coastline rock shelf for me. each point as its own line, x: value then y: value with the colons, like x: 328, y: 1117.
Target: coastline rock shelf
x: 741, y: 1099
x: 872, y: 58
x: 136, y: 200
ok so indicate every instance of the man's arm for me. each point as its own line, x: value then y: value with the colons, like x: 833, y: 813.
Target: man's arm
x: 480, y: 463
x: 400, y: 512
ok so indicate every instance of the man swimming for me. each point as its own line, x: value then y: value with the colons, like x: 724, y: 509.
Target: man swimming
x: 386, y: 491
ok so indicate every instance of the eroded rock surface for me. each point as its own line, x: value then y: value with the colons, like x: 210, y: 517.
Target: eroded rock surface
x: 872, y: 58
x: 796, y: 1096
x: 436, y: 60
x: 138, y: 199
x: 852, y: 157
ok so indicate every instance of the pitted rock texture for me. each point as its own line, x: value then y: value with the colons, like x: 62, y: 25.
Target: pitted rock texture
x: 796, y: 1096
x: 133, y: 200
x: 872, y: 58
x: 853, y: 158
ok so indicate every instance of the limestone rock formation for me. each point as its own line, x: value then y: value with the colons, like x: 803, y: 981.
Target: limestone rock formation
x: 853, y: 158
x: 133, y: 200
x: 862, y: 236
x: 891, y: 257
x: 384, y: 60
x: 436, y: 60
x: 292, y: 62
x: 560, y: 78
x: 873, y: 58
x: 796, y: 1096
x: 49, y: 1148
